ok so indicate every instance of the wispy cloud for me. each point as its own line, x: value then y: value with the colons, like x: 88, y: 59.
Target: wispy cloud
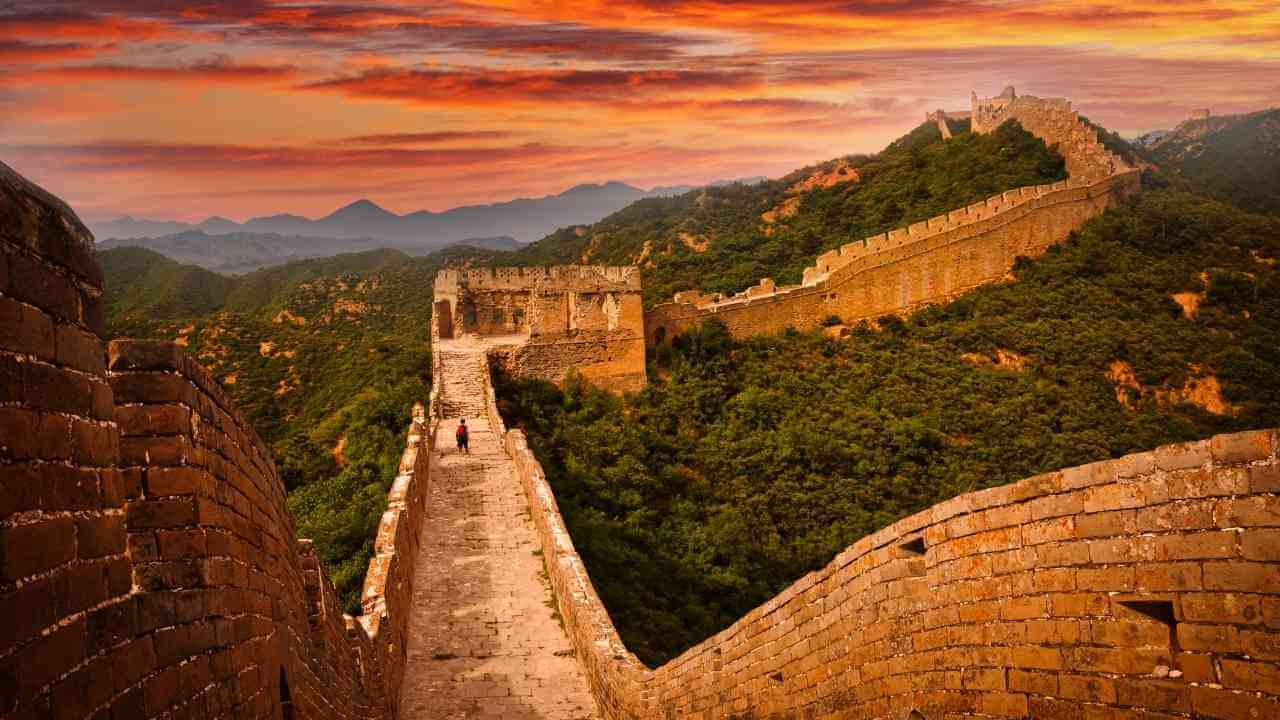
x: 237, y: 103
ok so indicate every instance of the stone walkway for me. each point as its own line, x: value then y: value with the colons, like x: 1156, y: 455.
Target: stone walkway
x: 485, y: 640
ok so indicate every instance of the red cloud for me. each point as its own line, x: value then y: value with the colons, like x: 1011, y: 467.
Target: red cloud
x: 473, y: 86
x: 208, y: 72
x: 20, y: 51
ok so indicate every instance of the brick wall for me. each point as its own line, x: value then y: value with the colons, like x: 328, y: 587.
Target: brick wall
x: 1142, y: 588
x: 586, y: 318
x: 63, y: 567
x: 908, y: 269
x: 148, y: 564
x: 937, y: 259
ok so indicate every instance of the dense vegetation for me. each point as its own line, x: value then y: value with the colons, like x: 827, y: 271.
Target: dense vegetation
x: 326, y: 357
x: 1234, y: 159
x: 747, y: 463
x: 718, y: 239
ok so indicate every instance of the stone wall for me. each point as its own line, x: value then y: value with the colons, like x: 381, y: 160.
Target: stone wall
x: 586, y: 318
x: 148, y: 564
x: 902, y: 270
x: 934, y: 260
x: 1146, y: 587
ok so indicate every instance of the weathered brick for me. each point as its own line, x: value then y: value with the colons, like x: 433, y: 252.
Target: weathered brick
x: 1098, y: 473
x: 165, y: 481
x: 1088, y: 688
x: 100, y: 535
x: 1022, y: 608
x: 1260, y: 544
x: 1050, y: 530
x: 1255, y: 511
x: 1113, y: 496
x: 1182, y: 456
x: 30, y: 435
x: 976, y: 678
x: 1125, y: 661
x: 179, y: 544
x: 1223, y: 704
x: 1251, y: 675
x: 1208, y: 638
x: 1264, y: 478
x: 55, y: 390
x: 1204, y: 483
x: 79, y: 349
x: 1080, y: 604
x: 1180, y: 515
x: 1105, y: 524
x: 144, y: 355
x: 1110, y: 579
x: 1196, y: 667
x: 1064, y: 553
x: 94, y: 443
x: 1261, y: 644
x: 1242, y: 447
x: 1158, y: 695
x: 1134, y: 465
x: 1121, y: 550
x: 1003, y: 704
x: 24, y: 329
x: 159, y: 576
x: 52, y: 655
x: 1030, y: 681
x: 37, y: 283
x: 1221, y: 607
x: 1241, y: 576
x: 160, y: 691
x: 1125, y: 633
x: 161, y: 513
x: 1169, y: 576
x: 1195, y: 546
x: 36, y: 546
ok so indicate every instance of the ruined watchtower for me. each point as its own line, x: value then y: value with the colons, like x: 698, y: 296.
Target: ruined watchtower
x: 542, y: 321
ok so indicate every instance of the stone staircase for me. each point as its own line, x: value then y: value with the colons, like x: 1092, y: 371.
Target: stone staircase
x: 461, y: 381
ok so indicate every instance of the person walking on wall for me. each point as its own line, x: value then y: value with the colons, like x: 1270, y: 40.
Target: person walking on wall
x: 462, y: 436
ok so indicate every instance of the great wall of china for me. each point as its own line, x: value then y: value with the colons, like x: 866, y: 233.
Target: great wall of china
x: 933, y: 260
x: 149, y: 567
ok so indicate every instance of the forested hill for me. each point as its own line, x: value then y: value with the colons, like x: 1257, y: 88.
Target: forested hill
x: 725, y: 239
x: 746, y: 464
x: 326, y: 356
x: 1234, y: 158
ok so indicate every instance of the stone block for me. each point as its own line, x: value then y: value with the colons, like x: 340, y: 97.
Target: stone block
x: 37, y: 546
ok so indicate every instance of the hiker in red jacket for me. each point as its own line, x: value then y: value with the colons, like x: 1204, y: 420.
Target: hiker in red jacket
x: 462, y: 437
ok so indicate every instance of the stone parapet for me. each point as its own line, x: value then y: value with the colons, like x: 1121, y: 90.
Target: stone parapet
x: 932, y: 278
x: 1148, y: 584
x: 899, y: 271
x: 148, y: 564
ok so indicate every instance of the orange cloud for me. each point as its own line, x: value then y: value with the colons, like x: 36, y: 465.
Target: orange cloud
x: 196, y: 73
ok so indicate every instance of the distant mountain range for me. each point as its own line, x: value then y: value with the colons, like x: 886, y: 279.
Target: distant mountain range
x: 241, y: 252
x: 525, y: 220
x: 224, y: 245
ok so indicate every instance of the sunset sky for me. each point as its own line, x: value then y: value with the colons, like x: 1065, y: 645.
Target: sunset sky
x: 181, y: 109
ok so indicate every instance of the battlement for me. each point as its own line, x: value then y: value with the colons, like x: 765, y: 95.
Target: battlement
x: 583, y: 317
x: 1055, y: 208
x: 558, y: 277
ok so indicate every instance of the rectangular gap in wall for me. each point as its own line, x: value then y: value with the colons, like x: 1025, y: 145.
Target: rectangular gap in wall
x: 1159, y: 610
x: 915, y: 547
